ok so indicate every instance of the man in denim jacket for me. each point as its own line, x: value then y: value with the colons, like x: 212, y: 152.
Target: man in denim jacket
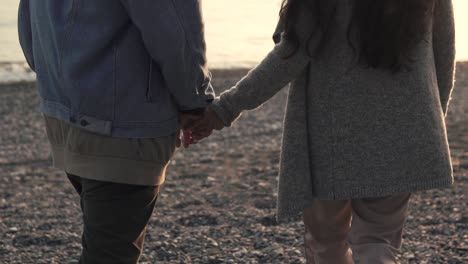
x: 114, y: 78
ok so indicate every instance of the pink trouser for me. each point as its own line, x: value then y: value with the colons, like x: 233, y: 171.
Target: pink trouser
x: 360, y: 231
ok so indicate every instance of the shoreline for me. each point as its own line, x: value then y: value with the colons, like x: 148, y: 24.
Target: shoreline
x: 17, y: 72
x: 458, y: 109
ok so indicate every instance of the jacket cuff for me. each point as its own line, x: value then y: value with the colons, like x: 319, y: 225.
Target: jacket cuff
x: 197, y: 111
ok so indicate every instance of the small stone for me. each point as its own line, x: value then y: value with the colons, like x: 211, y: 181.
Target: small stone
x: 212, y: 242
x: 240, y: 253
x: 12, y: 229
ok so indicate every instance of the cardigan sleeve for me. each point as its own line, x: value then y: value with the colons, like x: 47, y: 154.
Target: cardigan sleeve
x: 443, y: 39
x: 283, y: 64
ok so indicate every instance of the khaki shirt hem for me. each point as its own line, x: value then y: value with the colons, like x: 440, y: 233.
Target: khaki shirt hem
x: 109, y: 169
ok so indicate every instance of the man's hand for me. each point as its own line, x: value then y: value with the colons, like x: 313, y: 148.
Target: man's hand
x: 186, y: 120
x: 203, y: 127
x: 198, y: 127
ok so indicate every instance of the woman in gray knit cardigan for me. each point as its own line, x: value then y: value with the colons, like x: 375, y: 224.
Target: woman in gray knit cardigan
x: 364, y: 126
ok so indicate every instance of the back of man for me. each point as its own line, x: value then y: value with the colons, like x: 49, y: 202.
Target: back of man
x: 113, y: 77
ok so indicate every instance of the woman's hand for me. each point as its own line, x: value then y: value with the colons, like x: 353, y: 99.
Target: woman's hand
x: 210, y: 119
x: 203, y: 127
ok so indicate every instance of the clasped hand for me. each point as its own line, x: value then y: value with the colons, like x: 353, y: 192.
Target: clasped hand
x: 197, y: 127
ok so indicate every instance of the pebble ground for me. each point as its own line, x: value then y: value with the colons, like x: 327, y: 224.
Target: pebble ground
x: 218, y: 204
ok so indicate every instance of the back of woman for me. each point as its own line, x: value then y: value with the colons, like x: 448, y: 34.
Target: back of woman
x: 364, y: 125
x: 377, y: 127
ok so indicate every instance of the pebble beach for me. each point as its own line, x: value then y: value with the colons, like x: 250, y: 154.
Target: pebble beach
x: 218, y: 203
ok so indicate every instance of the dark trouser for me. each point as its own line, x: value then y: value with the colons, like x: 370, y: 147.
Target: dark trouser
x: 115, y: 218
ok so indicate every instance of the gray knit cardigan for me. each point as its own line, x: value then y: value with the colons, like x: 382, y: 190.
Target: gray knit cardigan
x: 350, y: 131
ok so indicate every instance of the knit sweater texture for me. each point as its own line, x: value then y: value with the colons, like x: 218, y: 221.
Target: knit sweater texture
x: 352, y: 131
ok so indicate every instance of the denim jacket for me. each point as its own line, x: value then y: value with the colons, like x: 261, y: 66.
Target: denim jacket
x: 122, y: 68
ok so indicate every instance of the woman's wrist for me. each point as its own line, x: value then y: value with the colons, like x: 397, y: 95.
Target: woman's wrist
x: 219, y: 108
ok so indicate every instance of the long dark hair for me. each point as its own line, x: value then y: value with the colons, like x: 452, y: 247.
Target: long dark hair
x: 381, y: 32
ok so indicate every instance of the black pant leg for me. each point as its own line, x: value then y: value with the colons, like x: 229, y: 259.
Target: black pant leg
x: 115, y: 218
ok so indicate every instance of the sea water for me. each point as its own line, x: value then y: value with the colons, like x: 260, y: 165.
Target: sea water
x: 238, y: 32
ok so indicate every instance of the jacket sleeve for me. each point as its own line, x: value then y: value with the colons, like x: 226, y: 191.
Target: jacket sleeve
x: 443, y: 40
x: 172, y: 31
x: 25, y: 32
x: 277, y: 69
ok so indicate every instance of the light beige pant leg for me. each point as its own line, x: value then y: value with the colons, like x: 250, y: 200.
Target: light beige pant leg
x: 375, y: 233
x: 327, y: 225
x: 377, y: 227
